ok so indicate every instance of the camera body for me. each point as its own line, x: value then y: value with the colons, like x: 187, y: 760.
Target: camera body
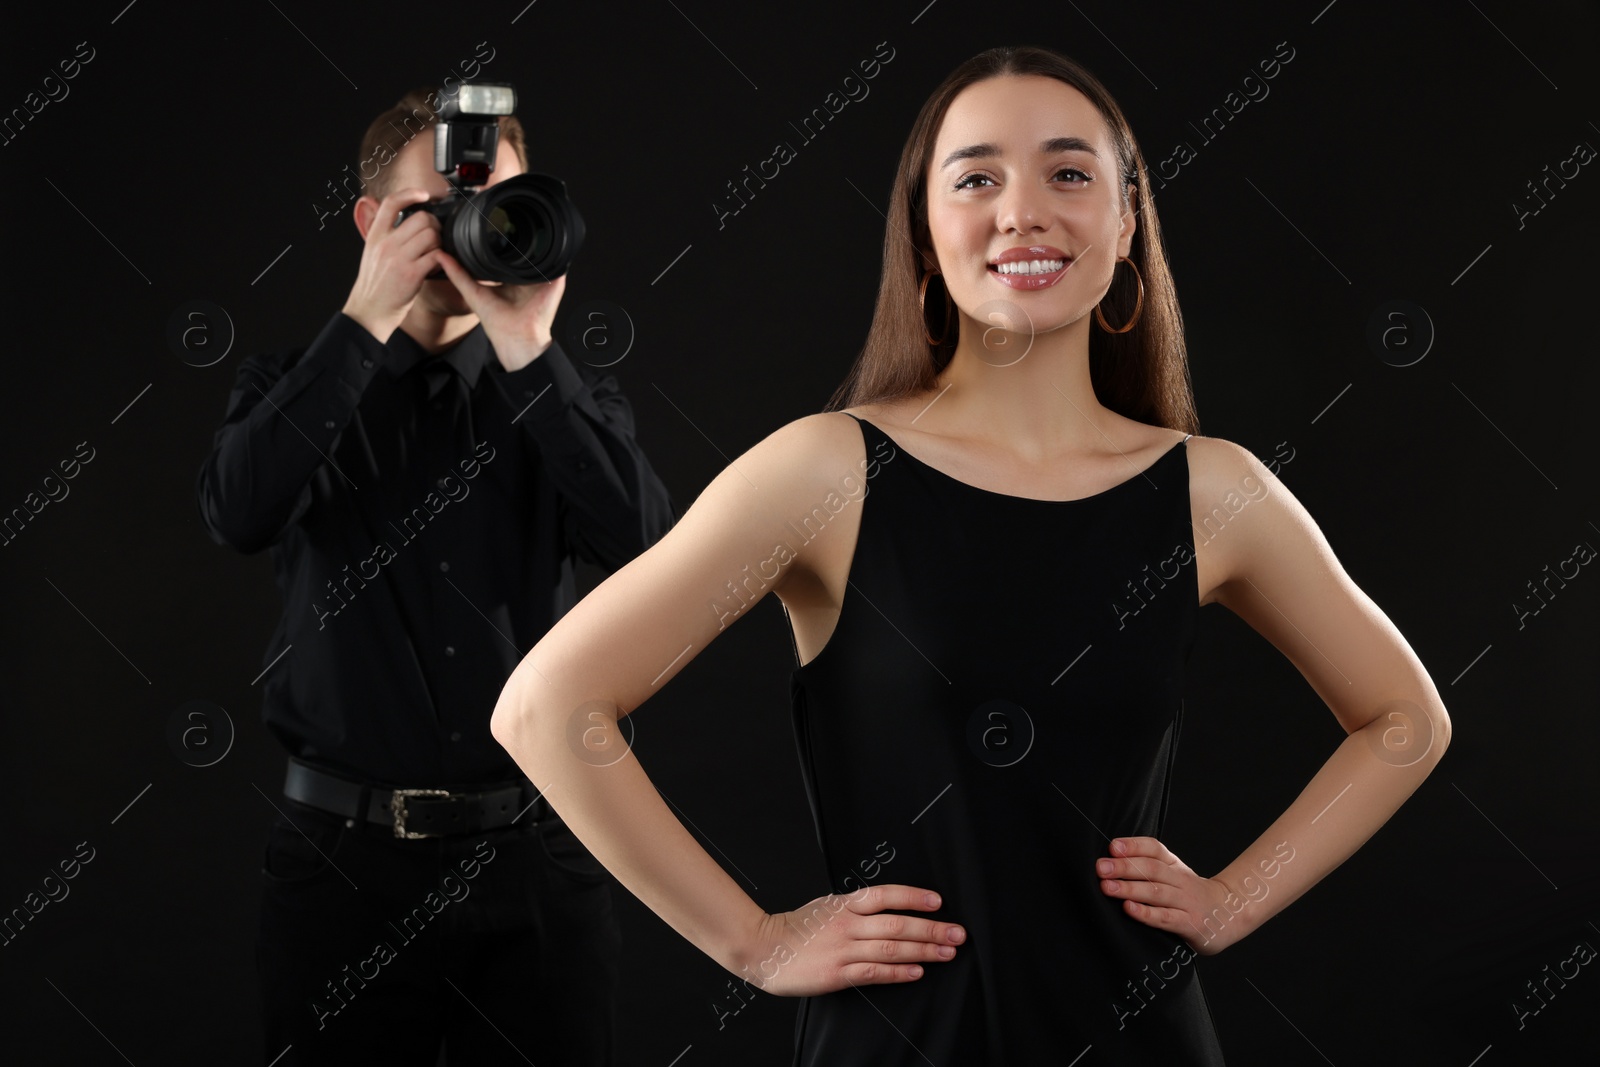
x: 519, y: 231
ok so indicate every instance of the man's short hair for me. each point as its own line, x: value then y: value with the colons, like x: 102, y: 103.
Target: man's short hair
x: 394, y: 129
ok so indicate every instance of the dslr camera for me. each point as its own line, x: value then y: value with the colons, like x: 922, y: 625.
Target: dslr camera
x: 519, y: 231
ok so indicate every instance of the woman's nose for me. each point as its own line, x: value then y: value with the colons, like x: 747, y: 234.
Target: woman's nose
x: 1020, y: 209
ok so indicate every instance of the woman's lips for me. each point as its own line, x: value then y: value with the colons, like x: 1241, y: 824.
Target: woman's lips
x: 1030, y: 281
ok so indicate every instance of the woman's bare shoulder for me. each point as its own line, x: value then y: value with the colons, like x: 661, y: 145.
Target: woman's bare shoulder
x: 824, y: 436
x: 1218, y: 466
x: 809, y: 453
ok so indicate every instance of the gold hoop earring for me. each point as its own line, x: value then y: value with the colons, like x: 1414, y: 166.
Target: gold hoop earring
x: 1137, y: 304
x: 922, y: 299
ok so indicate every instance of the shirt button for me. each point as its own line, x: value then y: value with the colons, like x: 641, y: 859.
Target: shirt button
x: 449, y: 650
x: 529, y: 393
x: 440, y: 483
x: 328, y: 424
x: 366, y: 362
x: 583, y: 464
x: 443, y: 565
x: 455, y: 735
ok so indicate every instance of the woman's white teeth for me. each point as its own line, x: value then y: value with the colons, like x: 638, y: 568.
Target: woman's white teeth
x: 1032, y: 266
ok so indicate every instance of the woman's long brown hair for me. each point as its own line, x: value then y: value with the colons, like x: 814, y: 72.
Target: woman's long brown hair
x: 1142, y: 374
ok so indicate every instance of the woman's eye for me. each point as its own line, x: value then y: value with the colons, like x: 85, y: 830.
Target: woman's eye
x: 967, y: 181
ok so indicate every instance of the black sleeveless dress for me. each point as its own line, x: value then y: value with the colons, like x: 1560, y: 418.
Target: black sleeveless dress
x: 1001, y: 697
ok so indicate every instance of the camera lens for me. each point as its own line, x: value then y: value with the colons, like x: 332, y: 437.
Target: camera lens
x: 521, y: 231
x: 518, y: 231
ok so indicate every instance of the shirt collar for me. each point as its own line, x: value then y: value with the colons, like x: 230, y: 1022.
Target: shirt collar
x: 468, y: 356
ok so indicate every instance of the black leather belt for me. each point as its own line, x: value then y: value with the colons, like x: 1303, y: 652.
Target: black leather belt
x: 414, y: 812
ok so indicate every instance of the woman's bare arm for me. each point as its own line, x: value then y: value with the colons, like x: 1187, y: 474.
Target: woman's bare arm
x: 557, y: 716
x: 1278, y: 574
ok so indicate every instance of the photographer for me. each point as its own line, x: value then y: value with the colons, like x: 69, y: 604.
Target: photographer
x: 423, y: 474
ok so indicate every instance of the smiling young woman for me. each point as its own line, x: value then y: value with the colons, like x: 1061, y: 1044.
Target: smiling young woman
x: 991, y: 645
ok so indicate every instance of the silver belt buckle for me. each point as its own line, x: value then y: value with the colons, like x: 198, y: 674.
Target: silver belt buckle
x: 397, y: 804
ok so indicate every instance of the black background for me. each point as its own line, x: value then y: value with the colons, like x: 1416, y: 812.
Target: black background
x: 1384, y: 165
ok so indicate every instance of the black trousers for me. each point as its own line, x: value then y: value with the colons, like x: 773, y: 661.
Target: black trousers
x: 501, y: 947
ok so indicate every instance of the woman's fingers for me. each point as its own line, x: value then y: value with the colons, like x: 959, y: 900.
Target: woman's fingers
x: 1169, y: 919
x: 872, y: 903
x: 1144, y: 892
x: 890, y: 946
x: 909, y: 929
x: 1142, y: 846
x: 1158, y: 889
x: 880, y: 973
x: 854, y: 939
x: 892, y: 895
x: 1137, y: 858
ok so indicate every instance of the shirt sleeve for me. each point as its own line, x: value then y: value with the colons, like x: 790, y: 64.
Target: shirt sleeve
x: 283, y: 418
x: 614, y: 504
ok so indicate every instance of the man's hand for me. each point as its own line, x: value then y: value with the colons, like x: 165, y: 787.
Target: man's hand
x: 394, y: 263
x: 516, y: 318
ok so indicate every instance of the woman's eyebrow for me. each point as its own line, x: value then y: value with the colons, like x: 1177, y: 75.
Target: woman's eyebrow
x: 1050, y: 147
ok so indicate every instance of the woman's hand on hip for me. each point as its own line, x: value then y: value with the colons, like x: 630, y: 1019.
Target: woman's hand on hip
x: 842, y: 940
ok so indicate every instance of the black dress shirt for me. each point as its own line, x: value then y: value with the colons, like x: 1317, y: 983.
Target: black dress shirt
x: 423, y: 513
